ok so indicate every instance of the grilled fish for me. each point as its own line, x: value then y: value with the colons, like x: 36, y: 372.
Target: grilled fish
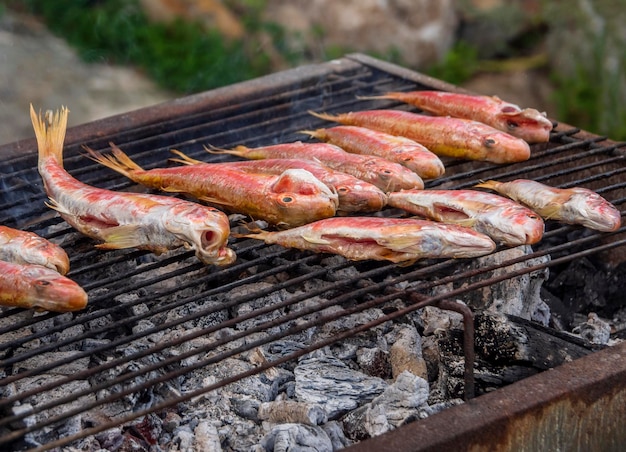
x: 392, y: 239
x: 406, y: 152
x: 126, y: 220
x: 386, y: 175
x: 528, y: 123
x: 354, y: 195
x: 445, y: 136
x: 575, y: 205
x: 35, y: 286
x: 502, y: 219
x: 293, y: 198
x: 23, y: 247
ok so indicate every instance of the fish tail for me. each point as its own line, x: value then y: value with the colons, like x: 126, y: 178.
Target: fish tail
x: 184, y: 159
x: 313, y: 133
x: 382, y: 96
x: 325, y: 116
x: 238, y: 150
x: 117, y: 161
x: 50, y: 133
x: 490, y: 184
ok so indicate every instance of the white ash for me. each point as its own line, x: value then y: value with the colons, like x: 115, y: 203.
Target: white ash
x: 517, y: 296
x: 594, y: 329
x: 297, y: 437
x: 289, y: 411
x: 328, y: 381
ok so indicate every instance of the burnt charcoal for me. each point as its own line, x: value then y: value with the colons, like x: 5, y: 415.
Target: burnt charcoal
x: 582, y: 286
x: 287, y: 437
x: 560, y: 317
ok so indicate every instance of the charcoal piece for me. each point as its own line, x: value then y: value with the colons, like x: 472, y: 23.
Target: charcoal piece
x: 581, y: 286
x: 594, y: 329
x: 292, y: 437
x: 508, y: 349
x: 516, y: 296
x: 405, y: 353
x: 336, y: 434
x: 292, y: 412
x: 329, y: 382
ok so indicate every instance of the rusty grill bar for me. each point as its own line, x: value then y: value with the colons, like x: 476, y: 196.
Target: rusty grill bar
x: 137, y: 298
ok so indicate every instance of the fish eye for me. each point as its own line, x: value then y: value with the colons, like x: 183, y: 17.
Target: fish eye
x: 532, y: 217
x: 508, y: 109
x: 490, y: 142
x: 512, y: 125
x: 287, y: 199
x: 43, y: 282
x: 342, y: 189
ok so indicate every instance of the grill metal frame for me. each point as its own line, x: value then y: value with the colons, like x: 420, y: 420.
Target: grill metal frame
x: 239, y: 114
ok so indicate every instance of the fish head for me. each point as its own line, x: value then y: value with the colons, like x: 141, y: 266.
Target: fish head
x: 456, y: 241
x: 501, y: 147
x: 37, y: 250
x: 203, y: 229
x: 300, y: 198
x: 51, y: 291
x: 419, y: 160
x: 392, y: 177
x: 591, y: 210
x: 513, y: 226
x: 528, y: 124
x: 360, y: 196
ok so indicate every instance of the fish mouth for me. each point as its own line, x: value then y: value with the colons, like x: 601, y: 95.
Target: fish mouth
x: 212, y: 249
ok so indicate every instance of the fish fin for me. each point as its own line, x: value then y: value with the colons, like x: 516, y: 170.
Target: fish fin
x: 121, y: 237
x: 467, y: 222
x: 184, y: 159
x: 551, y: 210
x: 450, y: 213
x: 118, y: 161
x: 54, y: 205
x: 50, y: 133
x: 316, y: 240
x: 490, y: 184
x: 212, y: 200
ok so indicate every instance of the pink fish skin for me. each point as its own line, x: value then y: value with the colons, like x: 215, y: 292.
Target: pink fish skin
x: 502, y: 219
x: 445, y: 136
x: 575, y: 205
x: 23, y: 247
x: 292, y: 198
x: 354, y: 194
x: 399, y: 240
x: 528, y: 123
x: 386, y: 175
x: 126, y: 220
x: 406, y: 152
x: 35, y: 286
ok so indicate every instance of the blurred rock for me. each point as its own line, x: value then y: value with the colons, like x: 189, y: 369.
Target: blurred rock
x: 39, y: 68
x: 421, y: 32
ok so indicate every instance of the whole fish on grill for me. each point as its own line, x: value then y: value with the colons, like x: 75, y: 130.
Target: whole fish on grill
x: 445, y: 136
x: 354, y: 195
x: 35, y: 286
x: 126, y: 220
x: 502, y: 219
x: 293, y: 198
x: 386, y: 175
x: 399, y: 240
x: 575, y: 205
x: 361, y: 140
x: 528, y: 123
x: 23, y: 247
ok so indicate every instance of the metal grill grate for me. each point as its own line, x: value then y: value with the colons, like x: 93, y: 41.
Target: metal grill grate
x: 143, y: 309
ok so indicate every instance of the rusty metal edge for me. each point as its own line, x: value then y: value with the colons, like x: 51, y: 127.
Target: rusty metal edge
x: 580, y: 405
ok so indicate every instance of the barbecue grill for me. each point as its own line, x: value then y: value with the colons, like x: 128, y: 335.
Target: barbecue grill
x: 159, y: 331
